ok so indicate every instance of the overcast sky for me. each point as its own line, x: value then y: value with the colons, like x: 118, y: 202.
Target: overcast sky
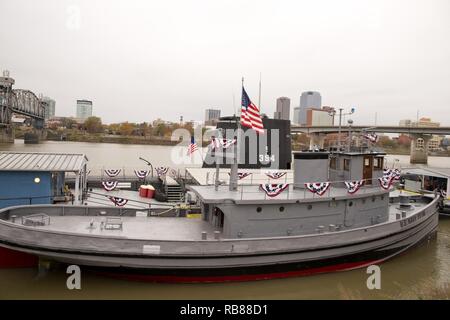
x: 140, y: 60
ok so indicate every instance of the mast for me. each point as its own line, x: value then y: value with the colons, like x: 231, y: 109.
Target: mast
x: 234, y: 166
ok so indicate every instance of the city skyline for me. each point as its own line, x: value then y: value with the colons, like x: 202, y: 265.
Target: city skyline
x: 381, y: 66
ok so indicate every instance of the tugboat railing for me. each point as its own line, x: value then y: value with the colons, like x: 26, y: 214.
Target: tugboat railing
x: 368, y: 187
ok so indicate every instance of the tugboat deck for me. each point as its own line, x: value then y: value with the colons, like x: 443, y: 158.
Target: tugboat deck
x: 159, y: 228
x: 147, y: 228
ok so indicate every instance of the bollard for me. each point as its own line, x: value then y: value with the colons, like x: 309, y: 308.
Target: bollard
x: 204, y: 235
x: 216, y: 235
x: 13, y: 218
x: 331, y: 227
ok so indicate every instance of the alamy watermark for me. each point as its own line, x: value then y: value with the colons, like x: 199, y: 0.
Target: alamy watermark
x: 74, y: 280
x: 250, y: 147
x: 73, y: 20
x: 374, y: 280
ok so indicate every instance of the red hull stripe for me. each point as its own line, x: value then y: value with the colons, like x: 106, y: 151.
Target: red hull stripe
x: 15, y: 259
x: 243, y: 277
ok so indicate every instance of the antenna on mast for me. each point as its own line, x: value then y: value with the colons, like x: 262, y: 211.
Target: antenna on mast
x: 234, y: 105
x: 259, y: 97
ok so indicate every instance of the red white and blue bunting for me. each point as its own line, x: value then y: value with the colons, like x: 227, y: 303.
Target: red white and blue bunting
x: 353, y: 186
x: 112, y: 172
x: 161, y: 171
x: 318, y: 187
x: 275, y: 175
x: 109, y: 185
x: 386, y: 182
x: 372, y: 137
x: 221, y: 143
x: 120, y: 202
x: 273, y: 189
x: 141, y: 174
x: 393, y: 174
x: 242, y: 175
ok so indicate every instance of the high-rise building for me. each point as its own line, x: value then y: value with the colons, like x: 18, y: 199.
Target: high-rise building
x: 283, y: 108
x: 211, y: 116
x: 49, y: 107
x: 296, y: 116
x: 405, y: 123
x: 318, y: 117
x: 308, y: 99
x: 84, y: 109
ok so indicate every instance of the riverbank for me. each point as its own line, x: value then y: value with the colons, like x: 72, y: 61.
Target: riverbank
x: 116, y: 139
x: 73, y: 135
x: 81, y: 136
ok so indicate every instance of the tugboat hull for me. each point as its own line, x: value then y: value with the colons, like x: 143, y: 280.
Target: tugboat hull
x: 295, y: 256
x: 274, y: 271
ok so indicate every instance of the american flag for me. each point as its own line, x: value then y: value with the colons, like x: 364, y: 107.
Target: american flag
x: 217, y: 143
x: 250, y: 116
x: 192, y: 146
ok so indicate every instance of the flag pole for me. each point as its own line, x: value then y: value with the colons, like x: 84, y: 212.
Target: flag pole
x: 234, y: 166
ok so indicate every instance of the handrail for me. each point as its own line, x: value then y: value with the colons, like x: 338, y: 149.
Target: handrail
x: 363, y: 189
x: 148, y: 204
x: 31, y: 198
x: 256, y: 182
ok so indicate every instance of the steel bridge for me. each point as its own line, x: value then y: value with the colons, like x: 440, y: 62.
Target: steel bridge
x: 19, y: 101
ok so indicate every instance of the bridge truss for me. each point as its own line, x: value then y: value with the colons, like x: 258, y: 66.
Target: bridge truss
x: 23, y: 102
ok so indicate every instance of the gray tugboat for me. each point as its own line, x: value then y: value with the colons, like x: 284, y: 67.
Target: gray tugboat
x: 336, y: 215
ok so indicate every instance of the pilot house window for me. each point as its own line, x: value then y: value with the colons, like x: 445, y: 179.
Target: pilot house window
x: 378, y: 163
x: 346, y: 164
x: 333, y: 163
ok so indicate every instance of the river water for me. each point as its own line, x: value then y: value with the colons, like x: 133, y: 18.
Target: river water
x: 416, y: 274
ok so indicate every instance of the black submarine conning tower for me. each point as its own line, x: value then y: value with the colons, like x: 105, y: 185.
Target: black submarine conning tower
x: 274, y: 129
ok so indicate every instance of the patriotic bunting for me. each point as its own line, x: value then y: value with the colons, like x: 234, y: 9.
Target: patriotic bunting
x: 392, y: 173
x: 275, y: 175
x: 397, y: 174
x: 242, y: 175
x: 353, y: 186
x: 385, y: 182
x: 112, y: 172
x: 319, y: 187
x: 162, y: 171
x: 141, y: 174
x: 120, y: 202
x: 272, y: 190
x: 109, y: 185
x: 221, y: 143
x: 372, y: 137
x: 389, y: 177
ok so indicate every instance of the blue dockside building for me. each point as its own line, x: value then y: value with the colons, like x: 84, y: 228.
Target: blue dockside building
x: 39, y: 178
